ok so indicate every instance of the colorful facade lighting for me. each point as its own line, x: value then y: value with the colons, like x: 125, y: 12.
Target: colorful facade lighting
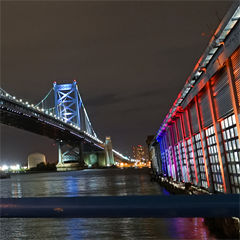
x: 205, y: 117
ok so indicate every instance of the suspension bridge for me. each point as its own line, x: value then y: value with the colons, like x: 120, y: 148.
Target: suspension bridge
x: 62, y: 116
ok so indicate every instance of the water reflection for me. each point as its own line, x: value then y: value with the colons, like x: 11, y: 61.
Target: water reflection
x: 94, y: 182
x: 104, y: 228
x: 16, y: 190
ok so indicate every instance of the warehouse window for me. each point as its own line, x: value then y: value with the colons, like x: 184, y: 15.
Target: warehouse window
x: 184, y: 161
x: 201, y: 160
x: 232, y: 148
x: 213, y: 157
x: 179, y: 173
x: 170, y: 152
x: 191, y: 160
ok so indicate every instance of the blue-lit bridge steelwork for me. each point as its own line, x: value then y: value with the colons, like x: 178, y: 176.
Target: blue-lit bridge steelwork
x: 199, y: 139
x: 61, y: 115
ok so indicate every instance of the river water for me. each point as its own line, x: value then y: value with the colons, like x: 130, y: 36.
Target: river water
x: 103, y: 182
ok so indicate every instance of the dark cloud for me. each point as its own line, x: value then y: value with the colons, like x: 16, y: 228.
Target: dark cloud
x: 110, y: 99
x: 149, y: 93
x: 143, y: 108
x: 103, y: 100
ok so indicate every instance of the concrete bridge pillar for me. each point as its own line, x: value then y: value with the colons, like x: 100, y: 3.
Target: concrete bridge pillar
x: 108, y: 152
x: 70, y: 157
x: 102, y: 159
x: 97, y: 159
x: 81, y: 154
x: 59, y: 153
x: 91, y: 159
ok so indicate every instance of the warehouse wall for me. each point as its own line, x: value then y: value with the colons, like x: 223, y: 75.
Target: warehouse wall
x: 201, y: 143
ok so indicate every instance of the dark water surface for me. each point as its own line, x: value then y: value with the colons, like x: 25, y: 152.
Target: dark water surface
x: 93, y: 183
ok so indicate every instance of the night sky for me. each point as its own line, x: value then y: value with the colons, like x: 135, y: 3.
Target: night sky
x: 130, y: 60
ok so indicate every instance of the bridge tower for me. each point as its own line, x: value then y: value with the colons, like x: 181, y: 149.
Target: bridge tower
x: 67, y: 103
x: 108, y: 152
x: 68, y: 106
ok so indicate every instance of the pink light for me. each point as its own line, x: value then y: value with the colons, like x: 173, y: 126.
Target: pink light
x: 184, y: 141
x: 190, y: 133
x: 179, y: 153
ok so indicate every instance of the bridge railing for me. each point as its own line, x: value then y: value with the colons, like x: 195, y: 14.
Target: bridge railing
x: 157, y: 206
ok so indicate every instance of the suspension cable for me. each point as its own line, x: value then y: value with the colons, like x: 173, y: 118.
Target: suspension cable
x: 85, y: 112
x: 44, y: 98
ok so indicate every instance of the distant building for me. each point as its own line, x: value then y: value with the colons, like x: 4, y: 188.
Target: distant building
x: 140, y: 152
x: 35, y: 158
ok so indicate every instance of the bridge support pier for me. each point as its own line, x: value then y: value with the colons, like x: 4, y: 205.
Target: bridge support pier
x: 103, y: 158
x: 96, y: 159
x: 108, y: 152
x: 70, y: 157
x: 91, y: 159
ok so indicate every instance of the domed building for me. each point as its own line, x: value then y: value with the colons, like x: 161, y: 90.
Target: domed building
x: 35, y: 158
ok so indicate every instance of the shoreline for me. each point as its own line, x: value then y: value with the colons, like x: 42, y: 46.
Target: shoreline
x: 54, y: 171
x: 228, y: 227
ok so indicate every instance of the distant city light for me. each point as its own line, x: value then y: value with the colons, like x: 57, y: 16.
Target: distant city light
x: 4, y: 168
x: 15, y: 167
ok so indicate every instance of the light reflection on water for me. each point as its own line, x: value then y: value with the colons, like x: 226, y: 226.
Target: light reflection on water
x: 16, y: 190
x: 93, y: 182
